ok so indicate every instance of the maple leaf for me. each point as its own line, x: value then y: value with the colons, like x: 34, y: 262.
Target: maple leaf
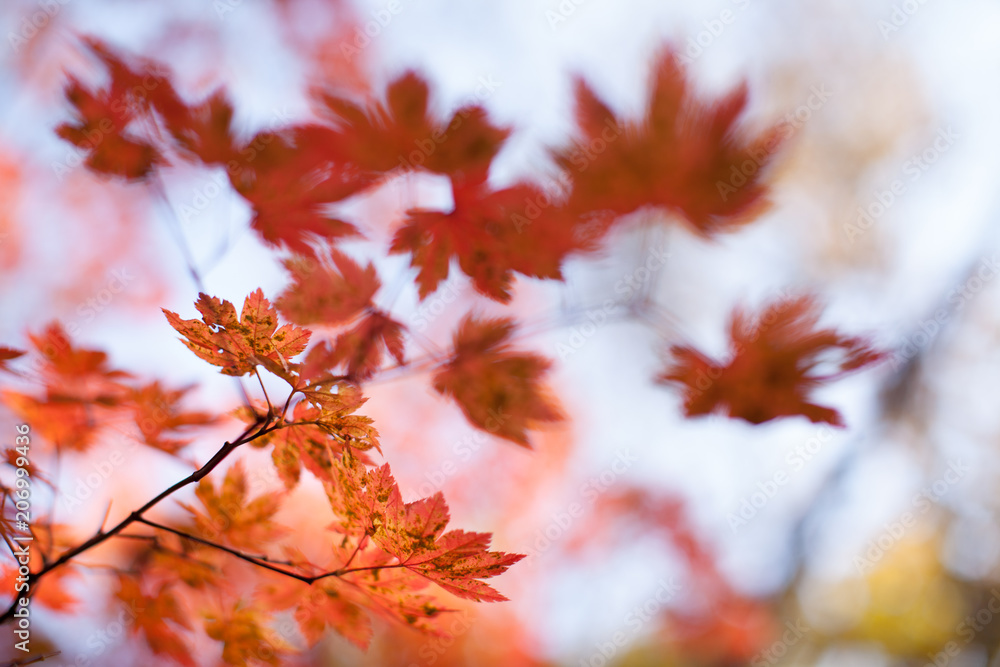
x: 682, y: 156
x: 157, y: 412
x: 79, y: 389
x: 105, y: 117
x: 337, y: 403
x: 400, y: 133
x: 204, y: 131
x: 6, y: 354
x: 369, y: 502
x: 100, y: 130
x: 240, y: 344
x: 245, y: 636
x: 319, y: 294
x: 771, y: 367
x: 363, y: 347
x: 303, y: 441
x: 289, y: 178
x: 150, y: 613
x: 497, y: 389
x: 484, y: 231
x: 230, y: 515
x: 317, y: 607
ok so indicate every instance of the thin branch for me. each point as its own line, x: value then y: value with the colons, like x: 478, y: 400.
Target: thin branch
x: 252, y: 432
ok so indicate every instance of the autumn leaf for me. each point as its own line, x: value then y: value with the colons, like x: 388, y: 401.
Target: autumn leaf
x: 203, y: 131
x: 400, y: 133
x: 498, y: 389
x: 362, y: 348
x: 157, y: 413
x: 369, y: 502
x: 100, y: 131
x: 485, y: 232
x: 310, y: 438
x: 682, y: 156
x: 80, y: 390
x: 106, y: 118
x: 319, y: 606
x: 230, y: 515
x: 6, y: 354
x: 245, y: 635
x: 149, y: 614
x: 290, y: 178
x: 238, y: 345
x: 321, y: 293
x: 772, y: 366
x: 337, y: 404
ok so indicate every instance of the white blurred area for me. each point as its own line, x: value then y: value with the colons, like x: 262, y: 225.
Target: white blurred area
x: 892, y: 93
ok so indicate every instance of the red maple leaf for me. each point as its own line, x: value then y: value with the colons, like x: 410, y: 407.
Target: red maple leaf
x: 327, y: 292
x: 290, y: 178
x: 772, y: 366
x: 485, y: 232
x: 497, y: 388
x: 685, y: 155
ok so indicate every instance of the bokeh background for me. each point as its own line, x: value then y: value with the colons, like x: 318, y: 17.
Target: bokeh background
x: 699, y: 542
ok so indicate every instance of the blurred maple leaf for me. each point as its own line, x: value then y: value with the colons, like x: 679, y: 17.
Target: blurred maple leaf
x: 157, y: 412
x: 150, y: 613
x: 231, y: 515
x: 497, y: 389
x: 771, y: 368
x: 681, y: 156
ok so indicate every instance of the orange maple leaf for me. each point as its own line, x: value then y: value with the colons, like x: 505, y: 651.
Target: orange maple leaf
x: 485, y: 232
x: 150, y: 613
x: 157, y: 413
x: 231, y: 515
x: 240, y: 344
x: 369, y: 502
